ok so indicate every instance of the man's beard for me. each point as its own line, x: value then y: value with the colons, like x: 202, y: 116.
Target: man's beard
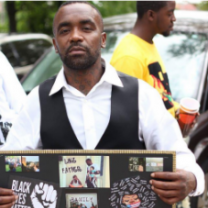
x: 166, y: 34
x: 80, y: 62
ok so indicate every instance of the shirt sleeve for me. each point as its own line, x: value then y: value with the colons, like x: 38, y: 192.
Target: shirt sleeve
x: 25, y: 132
x: 160, y: 131
x: 12, y: 95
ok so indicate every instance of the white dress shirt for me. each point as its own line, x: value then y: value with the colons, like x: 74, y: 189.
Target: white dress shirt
x: 89, y: 116
x: 12, y: 95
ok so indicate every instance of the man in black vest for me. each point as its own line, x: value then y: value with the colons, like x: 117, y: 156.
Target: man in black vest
x: 88, y: 105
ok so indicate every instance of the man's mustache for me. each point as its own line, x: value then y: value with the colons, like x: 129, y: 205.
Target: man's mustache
x: 76, y: 44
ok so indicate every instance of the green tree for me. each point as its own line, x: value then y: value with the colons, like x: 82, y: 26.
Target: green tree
x: 203, y: 6
x: 37, y: 16
x: 110, y: 8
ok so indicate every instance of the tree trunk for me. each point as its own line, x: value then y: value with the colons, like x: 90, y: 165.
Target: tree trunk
x: 11, y: 11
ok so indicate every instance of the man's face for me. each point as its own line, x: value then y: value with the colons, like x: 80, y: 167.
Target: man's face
x: 78, y: 36
x: 165, y: 19
x: 131, y: 200
x: 89, y: 162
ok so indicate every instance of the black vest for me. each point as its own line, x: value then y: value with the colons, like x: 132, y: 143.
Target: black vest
x: 121, y: 132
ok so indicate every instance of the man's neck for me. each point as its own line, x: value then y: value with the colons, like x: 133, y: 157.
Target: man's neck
x: 144, y: 31
x: 84, y: 80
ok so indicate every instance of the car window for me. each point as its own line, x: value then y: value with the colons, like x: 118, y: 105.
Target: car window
x: 49, y: 66
x: 30, y: 51
x: 184, y: 56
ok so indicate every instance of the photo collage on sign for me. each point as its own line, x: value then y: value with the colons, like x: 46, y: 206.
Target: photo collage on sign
x: 84, y: 178
x: 22, y: 164
x: 150, y: 164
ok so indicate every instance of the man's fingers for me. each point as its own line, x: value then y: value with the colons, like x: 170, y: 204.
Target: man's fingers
x: 169, y: 176
x: 7, y: 205
x: 6, y: 200
x: 6, y: 192
x: 167, y: 185
x: 168, y: 193
x: 170, y: 201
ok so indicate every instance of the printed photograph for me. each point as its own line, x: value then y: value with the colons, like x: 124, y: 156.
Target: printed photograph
x: 81, y: 200
x: 154, y: 164
x: 84, y: 171
x: 30, y: 164
x: 136, y: 164
x: 13, y: 164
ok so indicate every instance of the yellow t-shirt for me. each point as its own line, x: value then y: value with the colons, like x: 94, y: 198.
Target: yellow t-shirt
x: 140, y: 59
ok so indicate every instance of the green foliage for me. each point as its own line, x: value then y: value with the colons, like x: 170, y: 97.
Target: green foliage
x: 4, y: 28
x: 3, y: 23
x: 203, y: 6
x: 36, y: 16
x: 110, y: 8
x: 18, y: 169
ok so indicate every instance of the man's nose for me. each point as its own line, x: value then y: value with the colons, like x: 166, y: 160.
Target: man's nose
x: 173, y: 18
x: 76, y: 35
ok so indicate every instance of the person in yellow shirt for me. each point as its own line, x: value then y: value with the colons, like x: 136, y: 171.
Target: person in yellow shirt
x: 136, y: 54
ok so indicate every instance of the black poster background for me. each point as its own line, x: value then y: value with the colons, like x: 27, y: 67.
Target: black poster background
x: 119, y: 169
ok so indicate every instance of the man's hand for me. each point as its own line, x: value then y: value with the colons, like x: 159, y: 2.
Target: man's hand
x: 43, y: 196
x: 7, y: 198
x: 176, y: 186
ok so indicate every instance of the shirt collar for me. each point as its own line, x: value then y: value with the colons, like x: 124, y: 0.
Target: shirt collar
x: 110, y: 75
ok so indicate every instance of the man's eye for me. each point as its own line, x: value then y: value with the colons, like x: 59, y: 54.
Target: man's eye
x: 87, y: 28
x: 64, y: 31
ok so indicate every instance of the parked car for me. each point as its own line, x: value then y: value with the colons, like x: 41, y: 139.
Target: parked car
x: 185, y: 55
x: 23, y: 50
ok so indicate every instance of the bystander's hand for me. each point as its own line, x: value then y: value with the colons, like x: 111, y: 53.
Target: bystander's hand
x: 173, y: 187
x: 7, y: 198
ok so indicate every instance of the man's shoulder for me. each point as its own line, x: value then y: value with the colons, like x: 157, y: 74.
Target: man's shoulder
x: 123, y: 75
x: 50, y: 80
x: 128, y: 49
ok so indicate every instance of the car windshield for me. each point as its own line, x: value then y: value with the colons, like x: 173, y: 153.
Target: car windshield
x: 183, y: 55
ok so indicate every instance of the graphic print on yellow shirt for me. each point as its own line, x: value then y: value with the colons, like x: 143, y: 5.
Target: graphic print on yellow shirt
x: 161, y: 83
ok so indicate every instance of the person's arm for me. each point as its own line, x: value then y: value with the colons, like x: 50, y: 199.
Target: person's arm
x: 7, y: 198
x: 80, y: 183
x: 12, y: 94
x: 70, y: 185
x: 25, y: 132
x: 160, y: 131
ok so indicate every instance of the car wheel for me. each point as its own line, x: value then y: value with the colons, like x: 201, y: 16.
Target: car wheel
x: 202, y: 200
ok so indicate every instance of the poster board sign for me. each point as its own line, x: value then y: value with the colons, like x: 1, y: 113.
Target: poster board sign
x: 84, y: 179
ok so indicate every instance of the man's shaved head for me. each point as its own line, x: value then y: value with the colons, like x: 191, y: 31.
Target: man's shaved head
x: 79, y: 2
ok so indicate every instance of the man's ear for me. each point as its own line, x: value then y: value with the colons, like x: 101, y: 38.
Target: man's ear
x: 54, y: 44
x: 103, y: 40
x: 151, y: 15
